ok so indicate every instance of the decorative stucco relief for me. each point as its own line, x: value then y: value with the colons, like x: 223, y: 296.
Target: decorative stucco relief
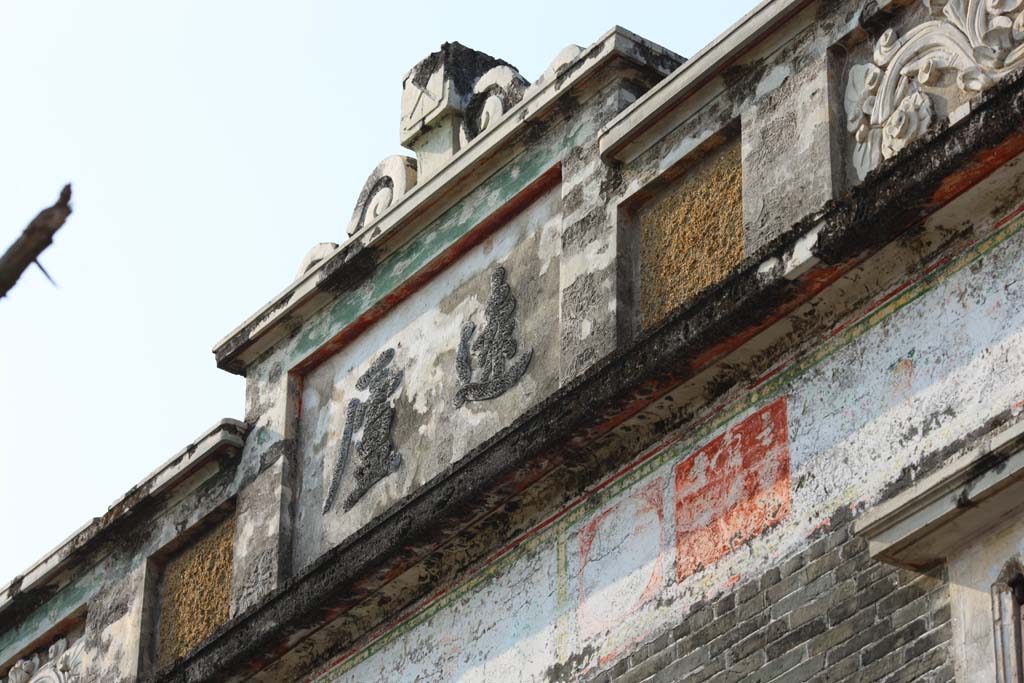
x: 62, y: 665
x: 494, y: 351
x: 448, y: 100
x: 974, y: 42
x: 370, y: 419
x: 494, y: 94
x: 387, y: 184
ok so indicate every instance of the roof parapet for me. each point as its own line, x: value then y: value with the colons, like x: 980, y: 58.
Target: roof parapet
x: 625, y: 137
x: 409, y: 199
x: 226, y: 438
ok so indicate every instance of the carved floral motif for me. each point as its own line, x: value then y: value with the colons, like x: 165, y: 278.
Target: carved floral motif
x: 62, y: 665
x: 978, y: 41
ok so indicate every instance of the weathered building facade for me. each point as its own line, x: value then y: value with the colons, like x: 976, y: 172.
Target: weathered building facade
x: 651, y: 369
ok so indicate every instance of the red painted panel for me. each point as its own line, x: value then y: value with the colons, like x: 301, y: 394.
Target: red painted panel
x: 732, y: 489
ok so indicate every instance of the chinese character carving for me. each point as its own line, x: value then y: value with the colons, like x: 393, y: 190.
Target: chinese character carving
x: 370, y: 421
x: 493, y: 353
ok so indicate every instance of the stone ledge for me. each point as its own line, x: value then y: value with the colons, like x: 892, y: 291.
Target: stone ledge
x: 923, y: 525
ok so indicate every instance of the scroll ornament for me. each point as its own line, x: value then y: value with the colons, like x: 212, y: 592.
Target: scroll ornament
x: 375, y: 453
x: 388, y: 183
x: 62, y: 665
x: 977, y: 41
x: 493, y: 352
x: 493, y: 96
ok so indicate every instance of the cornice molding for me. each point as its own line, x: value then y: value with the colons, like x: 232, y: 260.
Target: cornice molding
x: 922, y: 526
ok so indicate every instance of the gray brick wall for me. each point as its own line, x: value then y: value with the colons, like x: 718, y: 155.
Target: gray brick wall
x: 828, y: 615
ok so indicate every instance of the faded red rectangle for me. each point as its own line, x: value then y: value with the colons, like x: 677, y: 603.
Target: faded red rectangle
x: 732, y: 489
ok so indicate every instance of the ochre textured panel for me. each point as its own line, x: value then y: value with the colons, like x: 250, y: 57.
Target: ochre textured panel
x: 195, y: 591
x: 691, y: 233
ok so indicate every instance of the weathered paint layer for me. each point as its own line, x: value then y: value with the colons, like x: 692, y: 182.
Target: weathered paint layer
x: 895, y: 395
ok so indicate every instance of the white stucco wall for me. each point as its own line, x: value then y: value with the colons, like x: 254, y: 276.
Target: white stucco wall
x: 972, y: 573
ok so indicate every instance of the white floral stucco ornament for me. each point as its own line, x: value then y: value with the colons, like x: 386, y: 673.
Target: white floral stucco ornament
x: 887, y: 107
x: 909, y: 122
x: 63, y: 664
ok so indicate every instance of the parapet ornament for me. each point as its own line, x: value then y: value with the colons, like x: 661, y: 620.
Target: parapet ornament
x: 494, y: 94
x: 565, y: 57
x: 448, y: 99
x: 62, y: 665
x: 315, y: 256
x: 978, y: 41
x: 388, y: 183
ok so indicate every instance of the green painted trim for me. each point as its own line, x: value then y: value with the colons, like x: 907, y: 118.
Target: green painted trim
x: 65, y: 603
x: 431, y: 242
x: 771, y: 389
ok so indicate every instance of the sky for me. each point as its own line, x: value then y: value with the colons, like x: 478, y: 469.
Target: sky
x: 210, y: 144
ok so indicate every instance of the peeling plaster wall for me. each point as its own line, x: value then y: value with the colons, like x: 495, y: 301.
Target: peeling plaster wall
x: 589, y: 303
x: 429, y: 432
x: 263, y: 537
x: 749, y: 485
x: 113, y: 634
x: 787, y: 129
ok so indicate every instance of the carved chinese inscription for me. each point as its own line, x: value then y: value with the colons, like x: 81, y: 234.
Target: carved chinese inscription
x: 370, y: 422
x: 493, y: 353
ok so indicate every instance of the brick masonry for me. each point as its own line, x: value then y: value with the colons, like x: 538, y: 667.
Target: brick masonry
x: 830, y: 614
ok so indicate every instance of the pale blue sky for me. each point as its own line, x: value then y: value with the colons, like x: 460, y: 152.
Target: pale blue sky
x: 211, y: 143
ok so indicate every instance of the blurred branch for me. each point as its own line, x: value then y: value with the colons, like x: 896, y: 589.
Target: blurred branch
x: 36, y: 237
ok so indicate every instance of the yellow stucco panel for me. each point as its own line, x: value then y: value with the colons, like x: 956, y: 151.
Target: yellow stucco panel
x: 691, y: 233
x: 195, y: 592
